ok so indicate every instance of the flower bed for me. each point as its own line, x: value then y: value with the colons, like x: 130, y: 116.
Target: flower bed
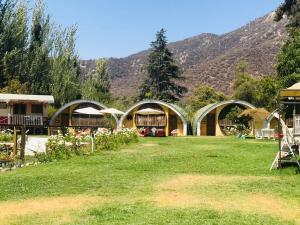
x: 105, y: 140
x: 65, y: 146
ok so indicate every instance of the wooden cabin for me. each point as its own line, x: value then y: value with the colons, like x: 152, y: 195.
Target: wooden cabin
x: 167, y: 119
x: 28, y: 110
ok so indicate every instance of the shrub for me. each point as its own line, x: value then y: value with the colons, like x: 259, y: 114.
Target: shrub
x: 105, y: 140
x: 6, y: 136
x: 65, y: 146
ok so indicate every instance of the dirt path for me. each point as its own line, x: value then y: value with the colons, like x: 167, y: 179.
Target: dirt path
x: 179, y: 192
x: 14, y: 209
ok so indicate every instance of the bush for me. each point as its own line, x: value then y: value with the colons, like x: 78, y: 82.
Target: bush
x: 6, y: 136
x: 105, y: 140
x: 65, y: 146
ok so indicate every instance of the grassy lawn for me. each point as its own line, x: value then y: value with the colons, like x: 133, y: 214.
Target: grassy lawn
x: 190, y: 180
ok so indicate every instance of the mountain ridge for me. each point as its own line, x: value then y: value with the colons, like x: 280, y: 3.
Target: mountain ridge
x: 206, y: 58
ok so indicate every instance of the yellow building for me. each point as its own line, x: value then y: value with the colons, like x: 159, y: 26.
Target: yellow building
x: 169, y: 119
x: 210, y: 120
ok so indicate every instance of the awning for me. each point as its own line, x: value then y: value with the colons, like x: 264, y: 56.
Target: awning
x: 149, y: 111
x: 88, y: 111
x: 293, y: 91
x: 111, y: 111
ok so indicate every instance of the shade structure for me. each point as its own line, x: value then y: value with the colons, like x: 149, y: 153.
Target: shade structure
x: 293, y: 91
x: 257, y: 114
x: 111, y: 111
x: 88, y: 111
x: 149, y: 111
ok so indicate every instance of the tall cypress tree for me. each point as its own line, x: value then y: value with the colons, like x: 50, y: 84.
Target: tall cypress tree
x: 39, y: 49
x: 162, y: 73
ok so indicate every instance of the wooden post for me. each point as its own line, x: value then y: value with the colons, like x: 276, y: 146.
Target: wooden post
x: 279, y: 131
x: 15, y: 140
x: 23, y: 141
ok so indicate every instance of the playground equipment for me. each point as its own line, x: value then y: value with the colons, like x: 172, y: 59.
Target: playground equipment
x: 288, y: 112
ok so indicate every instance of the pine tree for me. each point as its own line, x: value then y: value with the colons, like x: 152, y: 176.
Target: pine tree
x: 162, y: 73
x: 97, y: 85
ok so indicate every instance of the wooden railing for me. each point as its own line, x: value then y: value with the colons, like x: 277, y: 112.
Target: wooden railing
x: 24, y: 119
x: 151, y: 120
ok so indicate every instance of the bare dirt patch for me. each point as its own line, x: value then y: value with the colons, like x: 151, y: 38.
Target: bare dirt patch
x: 175, y: 193
x: 149, y: 144
x: 46, y: 205
x: 187, y: 180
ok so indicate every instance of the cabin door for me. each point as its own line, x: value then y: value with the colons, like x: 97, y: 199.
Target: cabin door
x: 211, y: 125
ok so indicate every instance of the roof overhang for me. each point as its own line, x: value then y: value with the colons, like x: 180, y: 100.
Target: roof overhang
x: 9, y: 98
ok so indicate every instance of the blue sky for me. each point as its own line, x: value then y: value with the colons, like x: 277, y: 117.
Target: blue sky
x: 118, y: 28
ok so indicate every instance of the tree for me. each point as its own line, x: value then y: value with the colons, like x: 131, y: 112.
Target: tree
x: 16, y: 36
x: 290, y: 8
x: 162, y: 73
x: 203, y: 96
x: 244, y: 85
x: 267, y: 92
x: 288, y: 61
x: 64, y: 71
x: 97, y: 85
x: 39, y: 50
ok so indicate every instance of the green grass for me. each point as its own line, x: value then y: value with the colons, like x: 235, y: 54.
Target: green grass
x: 129, y: 180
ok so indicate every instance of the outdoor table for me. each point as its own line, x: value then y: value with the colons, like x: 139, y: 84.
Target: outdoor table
x: 268, y: 133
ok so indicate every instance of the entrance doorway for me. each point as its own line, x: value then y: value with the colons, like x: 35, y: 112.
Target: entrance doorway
x: 211, y: 125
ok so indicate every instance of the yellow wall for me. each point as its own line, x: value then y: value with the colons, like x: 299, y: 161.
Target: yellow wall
x: 167, y: 111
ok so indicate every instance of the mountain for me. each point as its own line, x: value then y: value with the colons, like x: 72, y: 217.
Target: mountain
x: 206, y: 58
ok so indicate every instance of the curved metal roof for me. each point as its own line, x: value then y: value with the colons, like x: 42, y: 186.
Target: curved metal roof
x: 178, y: 110
x: 81, y: 101
x: 201, y: 113
x: 268, y: 120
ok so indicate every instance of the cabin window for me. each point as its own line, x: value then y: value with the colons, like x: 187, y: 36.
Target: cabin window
x: 19, y: 108
x: 3, y: 105
x: 37, y: 108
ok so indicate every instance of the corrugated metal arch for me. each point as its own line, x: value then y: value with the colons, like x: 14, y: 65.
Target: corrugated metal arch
x: 201, y: 113
x: 178, y: 110
x: 81, y: 101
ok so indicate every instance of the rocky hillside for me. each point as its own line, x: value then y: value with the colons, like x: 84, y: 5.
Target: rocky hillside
x: 207, y: 58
